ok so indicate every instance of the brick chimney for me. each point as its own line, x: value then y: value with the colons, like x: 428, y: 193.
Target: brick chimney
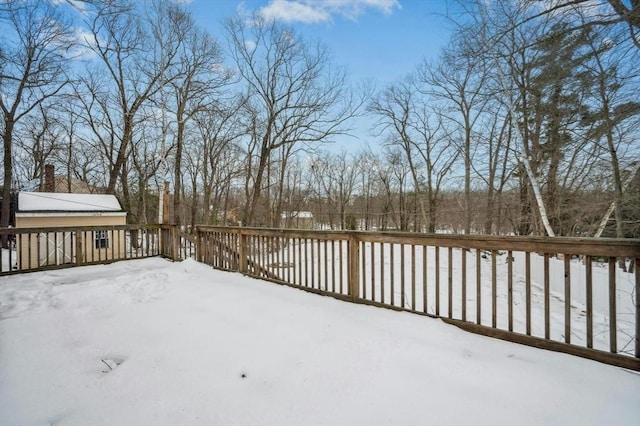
x: 49, y: 178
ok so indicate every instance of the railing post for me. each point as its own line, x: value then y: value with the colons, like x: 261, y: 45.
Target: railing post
x: 197, y: 245
x: 79, y: 252
x: 242, y: 252
x: 175, y: 254
x: 354, y: 267
x: 637, y: 269
x: 166, y: 243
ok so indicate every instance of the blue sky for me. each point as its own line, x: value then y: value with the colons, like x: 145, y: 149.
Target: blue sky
x: 380, y: 40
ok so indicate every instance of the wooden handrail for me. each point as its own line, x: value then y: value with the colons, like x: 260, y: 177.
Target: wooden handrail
x: 627, y: 247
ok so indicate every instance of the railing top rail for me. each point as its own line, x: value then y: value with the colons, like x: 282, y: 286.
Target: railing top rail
x: 274, y: 232
x: 5, y: 231
x: 627, y: 247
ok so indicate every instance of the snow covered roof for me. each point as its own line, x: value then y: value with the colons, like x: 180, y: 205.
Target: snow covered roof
x: 65, y: 202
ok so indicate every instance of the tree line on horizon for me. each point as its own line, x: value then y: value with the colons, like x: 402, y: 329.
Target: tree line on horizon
x: 527, y: 123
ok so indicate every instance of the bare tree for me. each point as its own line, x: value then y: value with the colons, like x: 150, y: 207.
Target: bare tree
x: 70, y: 151
x: 400, y: 170
x: 394, y: 176
x: 145, y: 160
x: 346, y: 173
x: 298, y: 96
x: 32, y: 70
x: 366, y: 164
x: 37, y: 142
x: 218, y: 131
x: 321, y: 185
x: 197, y: 78
x: 617, y: 109
x: 620, y: 13
x: 284, y: 157
x: 294, y: 195
x: 135, y: 53
x: 498, y: 165
x: 100, y: 123
x: 409, y: 123
x: 458, y: 79
x: 507, y: 48
x: 539, y: 60
x: 396, y: 110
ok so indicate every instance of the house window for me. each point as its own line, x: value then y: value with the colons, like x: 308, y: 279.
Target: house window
x: 101, y: 239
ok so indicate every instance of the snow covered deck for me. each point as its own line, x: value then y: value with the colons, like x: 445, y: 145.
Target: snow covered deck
x: 155, y: 342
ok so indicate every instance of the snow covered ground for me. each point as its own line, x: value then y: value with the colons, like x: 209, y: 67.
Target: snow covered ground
x: 155, y: 342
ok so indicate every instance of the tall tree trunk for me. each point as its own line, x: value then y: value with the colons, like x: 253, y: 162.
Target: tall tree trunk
x: 177, y: 175
x: 194, y: 202
x: 8, y: 178
x: 467, y: 175
x: 126, y: 197
x: 524, y: 223
x: 142, y: 202
x: 553, y: 145
x: 121, y: 157
x: 69, y: 160
x: 277, y: 210
x: 432, y: 211
x: 248, y: 217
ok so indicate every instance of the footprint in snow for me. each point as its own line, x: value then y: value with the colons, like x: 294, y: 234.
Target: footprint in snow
x: 111, y: 363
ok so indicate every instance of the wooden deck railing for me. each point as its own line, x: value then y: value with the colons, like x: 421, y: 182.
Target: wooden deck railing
x: 35, y: 249
x: 176, y: 244
x: 563, y: 294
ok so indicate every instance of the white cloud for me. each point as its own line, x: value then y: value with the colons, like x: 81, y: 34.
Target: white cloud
x: 294, y: 11
x: 353, y: 8
x: 317, y: 11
